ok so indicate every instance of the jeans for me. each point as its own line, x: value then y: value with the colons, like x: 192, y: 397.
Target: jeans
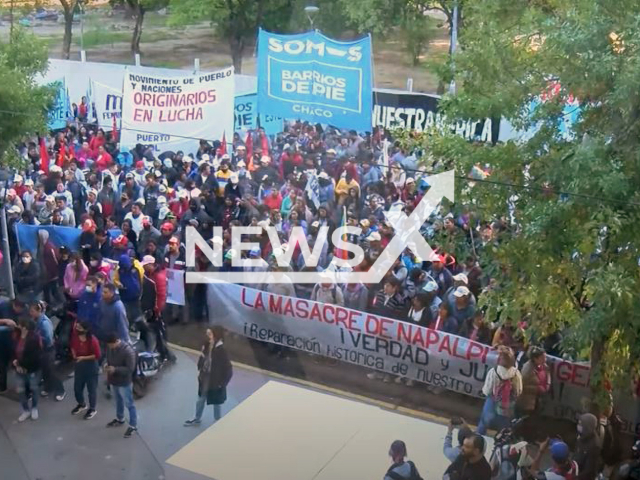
x: 4, y: 369
x: 490, y: 418
x: 52, y: 383
x: 86, y: 374
x: 124, y: 397
x: 201, y: 402
x: 28, y: 384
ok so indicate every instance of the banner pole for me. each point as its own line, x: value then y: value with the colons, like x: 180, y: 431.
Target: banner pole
x: 7, y: 252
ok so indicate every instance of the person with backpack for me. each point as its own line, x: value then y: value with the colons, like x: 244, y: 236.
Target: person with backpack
x: 130, y: 287
x: 121, y: 365
x: 401, y: 470
x: 563, y: 467
x: 328, y: 292
x: 502, y: 387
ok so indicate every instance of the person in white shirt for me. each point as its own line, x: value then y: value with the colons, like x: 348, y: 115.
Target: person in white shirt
x: 135, y: 216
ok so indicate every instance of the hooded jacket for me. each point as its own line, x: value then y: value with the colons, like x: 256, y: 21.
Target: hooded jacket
x: 129, y: 280
x: 113, y: 319
x: 588, y: 448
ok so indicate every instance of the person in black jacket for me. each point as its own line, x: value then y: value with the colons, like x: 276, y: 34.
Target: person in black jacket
x: 214, y: 374
x: 26, y: 278
x: 28, y: 363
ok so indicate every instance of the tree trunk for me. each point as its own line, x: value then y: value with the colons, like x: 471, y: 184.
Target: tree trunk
x: 237, y: 49
x: 68, y: 33
x: 137, y: 30
x: 597, y: 383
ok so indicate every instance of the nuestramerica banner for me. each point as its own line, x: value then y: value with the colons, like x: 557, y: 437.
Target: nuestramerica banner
x: 311, y: 77
x: 399, y: 348
x: 174, y: 113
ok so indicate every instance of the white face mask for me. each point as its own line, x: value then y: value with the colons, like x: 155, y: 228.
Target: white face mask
x: 88, y: 289
x: 26, y: 260
x: 94, y: 263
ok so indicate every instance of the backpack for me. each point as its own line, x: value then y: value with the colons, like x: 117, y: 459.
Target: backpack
x: 131, y: 284
x: 414, y: 475
x: 504, y: 396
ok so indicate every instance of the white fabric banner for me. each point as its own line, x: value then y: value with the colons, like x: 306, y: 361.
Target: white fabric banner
x: 387, y: 345
x: 175, y: 286
x: 174, y: 113
x: 108, y: 102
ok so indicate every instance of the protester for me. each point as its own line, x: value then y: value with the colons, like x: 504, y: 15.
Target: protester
x: 44, y: 328
x: 536, y: 382
x: 451, y: 452
x: 214, y: 374
x: 401, y: 469
x: 563, y: 467
x: 28, y: 362
x: 471, y: 463
x: 121, y: 363
x: 588, y: 447
x: 86, y: 354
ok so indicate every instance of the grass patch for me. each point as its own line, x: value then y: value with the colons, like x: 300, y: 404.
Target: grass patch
x: 100, y: 36
x: 165, y: 64
x: 156, y: 35
x: 153, y: 19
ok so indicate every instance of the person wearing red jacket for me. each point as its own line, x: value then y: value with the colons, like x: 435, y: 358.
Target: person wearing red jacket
x: 97, y: 142
x: 104, y: 160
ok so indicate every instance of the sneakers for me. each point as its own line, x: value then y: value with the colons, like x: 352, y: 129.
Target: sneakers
x: 79, y: 408
x: 115, y: 423
x: 130, y: 431
x: 44, y: 393
x: 34, y: 414
x: 90, y: 414
x: 24, y: 416
x: 61, y: 397
x: 192, y: 423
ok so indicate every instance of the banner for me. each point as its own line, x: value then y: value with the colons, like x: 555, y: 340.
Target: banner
x: 27, y: 236
x: 175, y: 286
x: 399, y: 348
x: 311, y: 77
x: 246, y: 116
x: 174, y: 113
x: 108, y: 102
x: 61, y: 110
x: 418, y: 111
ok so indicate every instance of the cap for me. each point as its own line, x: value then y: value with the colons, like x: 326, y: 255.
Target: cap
x: 174, y: 241
x: 374, y: 237
x: 18, y: 178
x: 217, y: 241
x: 437, y: 258
x: 241, y: 163
x: 233, y: 178
x: 121, y: 240
x: 559, y: 451
x: 410, y: 180
x: 461, y: 277
x: 331, y: 150
x: 167, y: 226
x: 129, y: 175
x: 461, y: 292
x: 148, y: 260
x: 225, y: 157
x: 139, y: 164
x: 365, y: 223
x: 163, y: 188
x: 430, y: 286
x: 324, y: 175
x: 241, y: 147
x: 28, y: 182
x: 158, y: 173
x: 92, y: 191
x: 205, y: 157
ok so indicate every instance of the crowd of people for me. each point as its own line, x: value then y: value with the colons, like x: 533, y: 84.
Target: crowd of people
x: 132, y: 209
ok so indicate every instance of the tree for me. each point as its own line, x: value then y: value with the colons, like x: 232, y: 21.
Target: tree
x: 138, y: 9
x: 23, y: 103
x: 236, y: 21
x: 564, y: 204
x: 68, y: 10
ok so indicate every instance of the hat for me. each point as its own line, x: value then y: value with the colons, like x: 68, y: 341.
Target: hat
x: 158, y: 173
x: 265, y: 159
x: 205, y: 157
x: 331, y: 150
x: 225, y: 157
x: 162, y: 188
x: 55, y: 169
x: 49, y: 198
x: 28, y: 182
x: 324, y: 175
x: 148, y: 260
x: 430, y: 286
x: 410, y: 180
x: 121, y: 240
x: 461, y: 277
x: 374, y: 237
x: 129, y: 175
x: 461, y: 292
x: 139, y: 164
x: 167, y: 226
x: 233, y: 178
x: 315, y: 224
x: 559, y: 451
x: 18, y: 178
x: 174, y: 241
x: 241, y: 163
x: 241, y: 147
x: 92, y: 191
x: 167, y: 163
x: 365, y: 223
x: 217, y: 241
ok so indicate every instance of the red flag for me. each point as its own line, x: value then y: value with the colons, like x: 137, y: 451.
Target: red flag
x: 44, y: 157
x: 61, y: 154
x: 114, y: 130
x: 249, y: 144
x: 264, y: 144
x: 223, y: 144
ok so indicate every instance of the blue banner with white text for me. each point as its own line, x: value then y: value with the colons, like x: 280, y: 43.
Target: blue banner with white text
x: 312, y: 77
x: 246, y: 116
x: 61, y: 111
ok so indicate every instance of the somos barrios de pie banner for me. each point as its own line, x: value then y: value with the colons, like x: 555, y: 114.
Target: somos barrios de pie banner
x: 311, y: 77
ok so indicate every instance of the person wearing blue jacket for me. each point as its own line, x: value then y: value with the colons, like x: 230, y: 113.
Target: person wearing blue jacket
x: 113, y: 316
x: 129, y: 288
x: 44, y: 328
x: 89, y: 303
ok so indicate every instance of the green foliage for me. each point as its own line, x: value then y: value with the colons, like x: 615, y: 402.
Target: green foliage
x: 565, y: 262
x: 417, y: 32
x: 23, y: 104
x: 330, y: 19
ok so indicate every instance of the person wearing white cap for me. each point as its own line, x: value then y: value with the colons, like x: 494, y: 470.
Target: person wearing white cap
x: 461, y: 305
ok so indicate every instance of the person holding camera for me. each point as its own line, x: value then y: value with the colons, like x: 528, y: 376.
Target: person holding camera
x: 563, y: 467
x: 451, y: 452
x: 470, y: 464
